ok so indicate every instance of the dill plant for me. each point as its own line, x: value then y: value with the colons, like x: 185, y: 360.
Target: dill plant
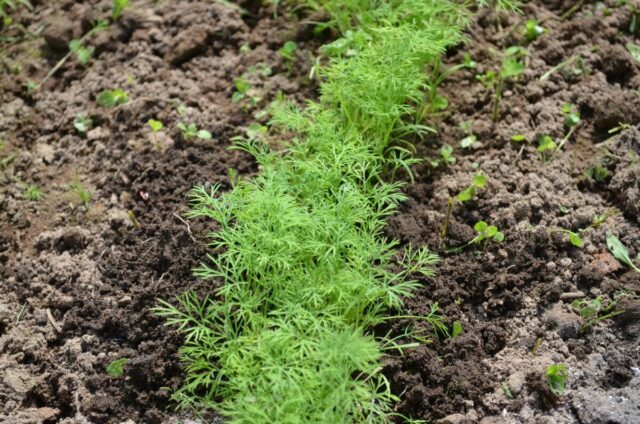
x: 300, y: 248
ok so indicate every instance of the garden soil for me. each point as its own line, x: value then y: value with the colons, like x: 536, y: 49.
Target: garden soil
x: 78, y: 282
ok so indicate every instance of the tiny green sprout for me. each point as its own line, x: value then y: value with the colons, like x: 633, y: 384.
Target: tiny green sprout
x: 512, y: 67
x: 598, y: 173
x: 571, y: 115
x: 33, y: 193
x: 242, y: 88
x: 112, y: 98
x: 456, y: 329
x: 83, y: 194
x: 155, y: 125
x: 446, y: 155
x: 256, y: 131
x: 245, y: 48
x: 574, y: 238
x: 546, y: 144
x: 116, y: 368
x: 433, y: 101
x: 518, y: 138
x: 82, y: 123
x: 30, y: 86
x: 190, y: 131
x: 287, y: 51
x: 620, y: 252
x: 532, y: 30
x: 468, y: 141
x: 634, y: 50
x: 620, y: 127
x: 557, y: 378
x: 181, y: 109
x: 564, y: 210
x: 486, y: 233
x: 594, y: 311
x: 478, y: 181
x: 118, y: 7
x: 83, y: 54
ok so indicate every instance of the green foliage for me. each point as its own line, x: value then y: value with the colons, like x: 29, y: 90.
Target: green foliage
x: 634, y: 50
x: 301, y: 248
x: 546, y: 146
x: 512, y: 67
x: 82, y: 123
x: 83, y: 54
x: 118, y: 8
x: 112, y: 98
x: 518, y: 138
x: 81, y: 192
x: 532, y: 30
x: 597, y: 172
x: 7, y: 6
x: 620, y: 252
x: 155, y: 125
x: 487, y: 233
x: 116, y: 368
x: 595, y: 310
x: 33, y: 193
x: 478, y: 182
x: 191, y: 131
x: 571, y: 115
x: 456, y: 329
x: 557, y: 378
x: 446, y: 157
x: 287, y: 51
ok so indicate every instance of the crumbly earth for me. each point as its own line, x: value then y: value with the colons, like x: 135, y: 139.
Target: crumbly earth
x: 517, y: 294
x: 78, y: 283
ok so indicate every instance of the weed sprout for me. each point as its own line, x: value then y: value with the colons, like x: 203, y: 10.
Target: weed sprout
x: 557, y: 378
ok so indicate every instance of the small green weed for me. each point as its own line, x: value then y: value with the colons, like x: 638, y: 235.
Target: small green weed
x: 620, y: 252
x: 571, y: 121
x: 288, y: 51
x: 33, y: 193
x: 435, y: 102
x: 83, y: 123
x: 82, y: 193
x: 155, y: 126
x: 446, y: 157
x: 112, y: 98
x: 574, y: 238
x: 595, y: 310
x: 598, y: 173
x: 456, y: 329
x: 479, y: 181
x: 532, y: 30
x: 546, y: 146
x: 485, y: 233
x: 512, y: 67
x: 116, y: 368
x: 191, y: 131
x: 557, y: 378
x: 83, y: 53
x: 470, y: 138
x: 118, y: 8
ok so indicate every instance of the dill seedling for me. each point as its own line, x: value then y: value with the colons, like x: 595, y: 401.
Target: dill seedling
x: 33, y: 193
x: 82, y: 193
x: 118, y: 8
x: 512, y: 67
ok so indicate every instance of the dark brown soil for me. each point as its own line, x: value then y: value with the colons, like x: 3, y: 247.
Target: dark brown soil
x: 92, y: 270
x: 519, y: 291
x: 78, y: 284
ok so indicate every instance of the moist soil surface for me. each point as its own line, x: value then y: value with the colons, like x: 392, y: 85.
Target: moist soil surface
x: 78, y: 281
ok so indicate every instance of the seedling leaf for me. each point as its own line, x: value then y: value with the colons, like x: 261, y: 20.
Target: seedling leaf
x: 557, y: 378
x: 155, y: 125
x: 620, y: 252
x: 116, y: 368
